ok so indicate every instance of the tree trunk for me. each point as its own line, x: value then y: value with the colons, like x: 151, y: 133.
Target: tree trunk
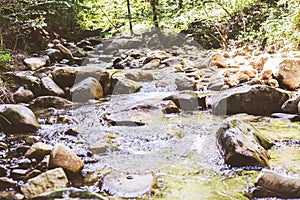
x: 154, y: 4
x: 180, y: 4
x: 129, y: 17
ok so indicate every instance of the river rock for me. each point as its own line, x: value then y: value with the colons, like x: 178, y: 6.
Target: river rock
x: 70, y: 193
x: 291, y: 105
x: 23, y: 95
x: 3, y: 171
x: 121, y: 43
x: 128, y: 185
x: 17, y: 119
x: 51, y: 88
x: 126, y: 86
x: 185, y: 83
x: 35, y: 63
x: 255, y: 100
x: 286, y: 71
x: 169, y: 107
x: 54, y: 54
x: 65, y: 51
x: 50, y: 101
x: 39, y: 150
x: 153, y: 64
x: 242, y: 145
x: 138, y: 75
x: 45, y: 182
x: 63, y: 156
x: 6, y: 183
x: 187, y: 100
x: 89, y: 88
x: 274, y: 185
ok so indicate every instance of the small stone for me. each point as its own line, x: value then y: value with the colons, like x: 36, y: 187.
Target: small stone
x: 24, y: 163
x: 19, y: 196
x: 45, y: 182
x: 63, y: 156
x: 169, y: 107
x: 39, y: 150
x: 35, y: 63
x: 51, y: 88
x: 50, y: 101
x: 72, y: 131
x: 18, y: 173
x: 153, y: 64
x: 23, y: 95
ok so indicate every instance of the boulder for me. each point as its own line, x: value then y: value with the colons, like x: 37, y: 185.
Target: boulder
x: 286, y: 71
x: 23, y: 95
x: 51, y: 88
x: 35, y: 63
x: 38, y: 151
x: 185, y: 83
x: 89, y: 88
x: 188, y: 101
x: 242, y: 145
x: 254, y: 99
x: 54, y: 54
x: 62, y: 156
x: 291, y: 105
x: 128, y: 185
x: 17, y: 119
x: 50, y: 101
x: 125, y: 86
x: 45, y: 182
x: 270, y: 184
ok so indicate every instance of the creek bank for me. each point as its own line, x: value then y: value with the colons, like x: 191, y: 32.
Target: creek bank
x: 149, y: 89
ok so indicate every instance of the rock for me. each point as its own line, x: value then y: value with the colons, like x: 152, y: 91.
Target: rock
x: 271, y: 184
x: 153, y: 64
x: 8, y: 195
x: 70, y: 193
x: 6, y: 183
x: 23, y: 95
x: 125, y: 86
x: 67, y: 76
x: 89, y: 88
x: 188, y: 101
x: 139, y: 76
x: 255, y: 100
x: 50, y: 101
x: 176, y: 63
x: 242, y: 145
x: 218, y: 59
x: 18, y: 174
x: 51, y: 88
x: 65, y: 51
x: 24, y: 163
x: 45, y: 182
x: 72, y: 131
x: 184, y: 83
x: 121, y: 43
x: 38, y: 151
x: 136, y: 116
x: 54, y: 54
x: 128, y: 185
x: 35, y: 63
x: 286, y: 71
x: 32, y: 174
x: 289, y: 117
x: 17, y: 119
x: 291, y: 105
x: 62, y: 156
x: 3, y: 171
x: 169, y: 107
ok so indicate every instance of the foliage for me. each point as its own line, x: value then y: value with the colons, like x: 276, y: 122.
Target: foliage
x: 5, y: 58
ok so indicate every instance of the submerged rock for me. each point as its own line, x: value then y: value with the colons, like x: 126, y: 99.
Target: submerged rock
x: 45, y: 182
x: 128, y: 185
x: 242, y: 145
x: 63, y: 156
x: 271, y: 184
x: 17, y: 119
x: 255, y: 100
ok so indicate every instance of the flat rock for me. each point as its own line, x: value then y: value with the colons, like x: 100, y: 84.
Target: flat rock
x: 35, y: 63
x: 17, y: 119
x: 128, y: 185
x: 50, y: 101
x: 62, y: 156
x: 286, y: 70
x: 45, y: 182
x: 242, y: 145
x: 126, y: 86
x: 89, y: 88
x: 70, y: 193
x: 51, y: 88
x: 138, y: 75
x: 255, y: 100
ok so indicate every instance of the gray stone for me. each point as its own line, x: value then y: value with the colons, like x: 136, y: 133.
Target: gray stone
x: 153, y: 64
x: 242, y: 145
x: 185, y: 83
x: 255, y: 100
x: 89, y: 88
x: 23, y: 95
x: 139, y: 75
x: 126, y: 86
x: 62, y: 156
x: 291, y: 105
x: 45, y: 182
x: 35, y: 63
x: 54, y: 54
x: 17, y: 119
x: 50, y: 101
x: 51, y: 88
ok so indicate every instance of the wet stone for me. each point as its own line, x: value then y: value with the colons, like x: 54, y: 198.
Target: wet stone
x: 24, y: 163
x: 39, y: 150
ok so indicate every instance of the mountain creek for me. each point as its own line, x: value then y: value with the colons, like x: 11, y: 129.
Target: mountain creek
x: 130, y: 118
